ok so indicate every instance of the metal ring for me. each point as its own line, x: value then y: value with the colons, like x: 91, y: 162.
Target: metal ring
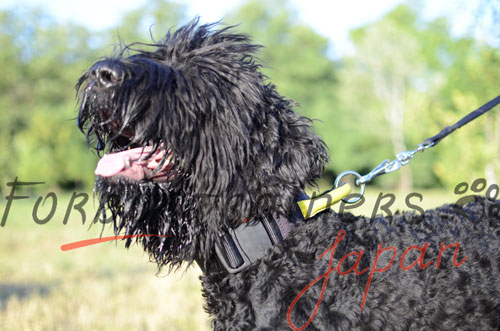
x: 362, y: 186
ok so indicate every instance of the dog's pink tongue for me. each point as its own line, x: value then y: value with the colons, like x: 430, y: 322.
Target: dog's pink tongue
x: 124, y: 163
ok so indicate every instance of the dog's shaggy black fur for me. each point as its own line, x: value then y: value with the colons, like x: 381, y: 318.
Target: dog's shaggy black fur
x: 231, y: 148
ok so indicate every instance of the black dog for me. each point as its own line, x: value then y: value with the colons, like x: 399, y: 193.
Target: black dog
x: 207, y: 160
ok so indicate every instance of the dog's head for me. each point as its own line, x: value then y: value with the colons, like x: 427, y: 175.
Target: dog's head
x: 194, y: 140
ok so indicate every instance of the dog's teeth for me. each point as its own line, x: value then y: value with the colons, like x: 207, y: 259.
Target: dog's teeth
x: 152, y: 164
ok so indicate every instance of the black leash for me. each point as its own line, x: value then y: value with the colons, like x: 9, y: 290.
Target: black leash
x: 403, y: 158
x: 471, y: 116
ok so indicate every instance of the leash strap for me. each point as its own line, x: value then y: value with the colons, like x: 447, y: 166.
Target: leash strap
x: 403, y: 158
x: 471, y: 116
x: 310, y: 207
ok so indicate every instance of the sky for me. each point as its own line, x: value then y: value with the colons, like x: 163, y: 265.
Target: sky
x: 331, y: 18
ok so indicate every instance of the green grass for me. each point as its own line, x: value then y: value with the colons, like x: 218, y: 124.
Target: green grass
x: 101, y: 287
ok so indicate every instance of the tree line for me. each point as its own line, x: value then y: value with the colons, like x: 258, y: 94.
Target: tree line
x: 406, y: 78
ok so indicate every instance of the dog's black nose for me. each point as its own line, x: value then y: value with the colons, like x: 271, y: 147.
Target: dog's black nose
x: 107, y: 73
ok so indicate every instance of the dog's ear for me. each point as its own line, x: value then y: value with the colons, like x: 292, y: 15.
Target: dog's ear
x: 253, y: 157
x: 240, y: 141
x: 291, y: 155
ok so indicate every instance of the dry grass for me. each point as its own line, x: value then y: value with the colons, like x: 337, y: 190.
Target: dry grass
x: 100, y: 287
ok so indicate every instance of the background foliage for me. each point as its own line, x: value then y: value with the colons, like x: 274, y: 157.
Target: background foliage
x: 405, y: 79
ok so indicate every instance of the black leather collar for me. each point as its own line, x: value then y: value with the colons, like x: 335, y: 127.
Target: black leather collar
x: 239, y: 247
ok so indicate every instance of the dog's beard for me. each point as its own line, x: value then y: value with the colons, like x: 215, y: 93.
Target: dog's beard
x: 155, y: 210
x: 147, y: 187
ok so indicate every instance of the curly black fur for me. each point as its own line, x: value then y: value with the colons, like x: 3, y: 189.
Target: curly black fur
x: 239, y: 151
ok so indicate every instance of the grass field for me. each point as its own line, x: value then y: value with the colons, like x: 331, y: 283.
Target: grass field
x: 100, y: 287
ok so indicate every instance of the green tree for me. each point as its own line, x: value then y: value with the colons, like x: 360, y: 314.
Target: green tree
x: 390, y: 55
x: 473, y: 151
x: 39, y: 63
x: 294, y: 57
x: 405, y: 69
